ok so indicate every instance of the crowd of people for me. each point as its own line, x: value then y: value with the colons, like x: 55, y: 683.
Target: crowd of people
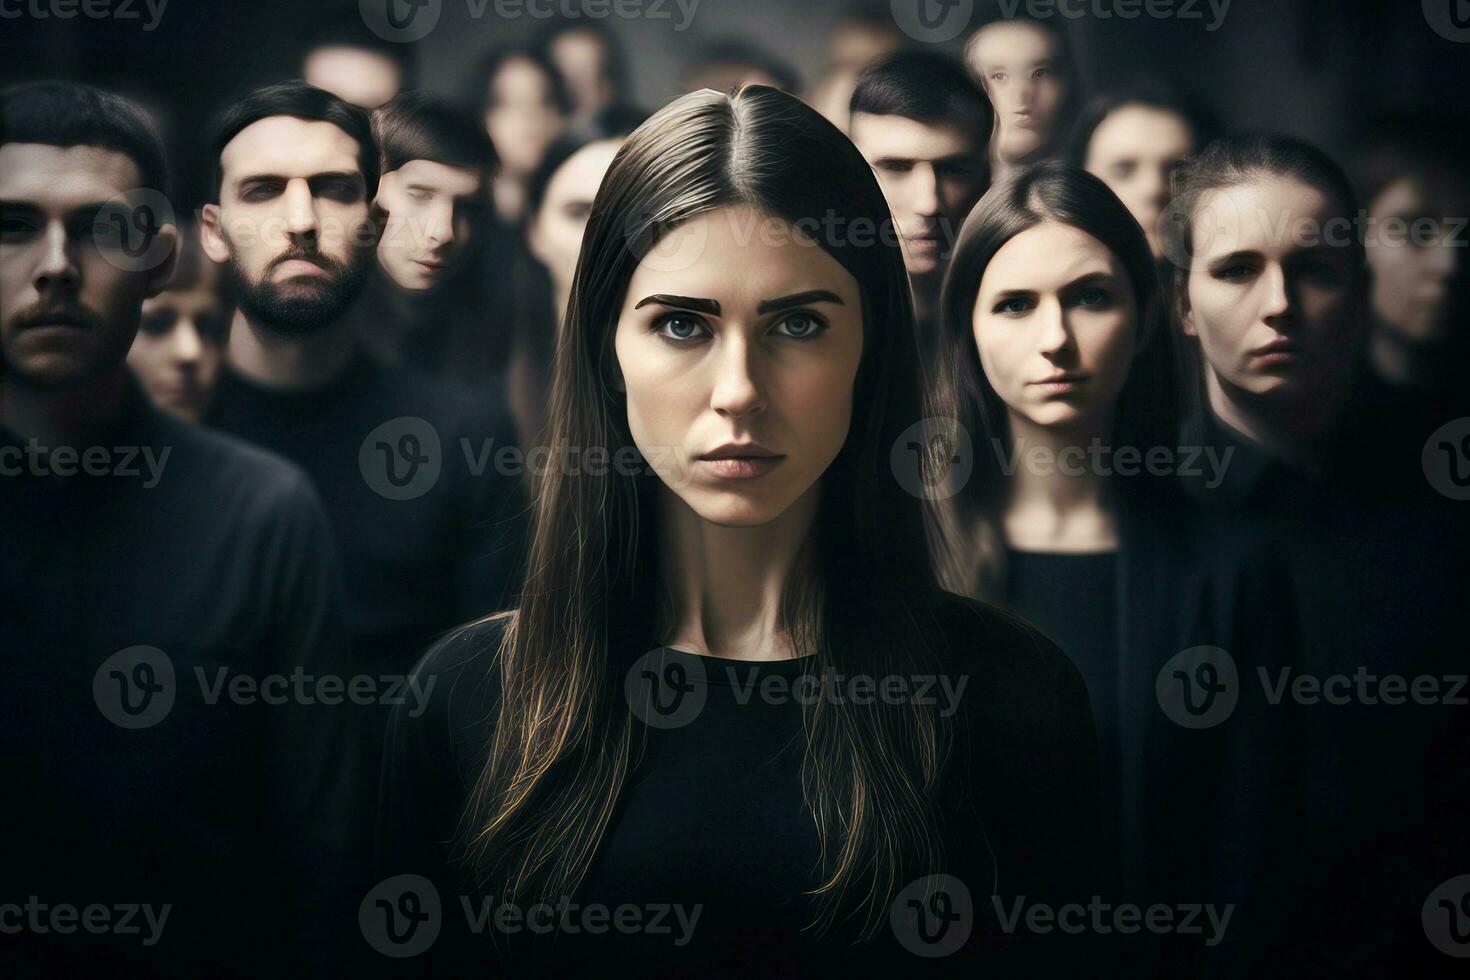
x: 937, y: 519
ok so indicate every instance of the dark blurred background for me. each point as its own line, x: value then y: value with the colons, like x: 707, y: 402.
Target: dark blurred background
x: 1310, y: 67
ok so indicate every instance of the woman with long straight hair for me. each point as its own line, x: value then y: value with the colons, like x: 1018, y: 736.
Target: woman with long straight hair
x: 731, y: 690
x: 1057, y: 373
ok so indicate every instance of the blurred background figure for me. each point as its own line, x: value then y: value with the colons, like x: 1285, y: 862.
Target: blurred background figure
x: 523, y: 102
x: 431, y: 304
x: 590, y: 59
x: 1132, y: 137
x: 354, y: 64
x: 1411, y: 175
x: 180, y: 341
x: 559, y: 199
x: 1027, y: 69
x: 726, y: 64
x: 865, y: 32
x: 922, y: 125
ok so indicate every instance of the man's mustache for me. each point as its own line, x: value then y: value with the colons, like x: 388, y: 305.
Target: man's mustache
x: 305, y: 255
x: 69, y: 315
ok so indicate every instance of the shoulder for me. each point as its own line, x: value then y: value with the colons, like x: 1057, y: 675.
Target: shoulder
x: 458, y: 678
x: 239, y: 477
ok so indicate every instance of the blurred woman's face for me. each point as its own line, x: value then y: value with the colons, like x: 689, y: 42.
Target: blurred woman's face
x: 554, y: 234
x: 1056, y: 325
x: 1021, y: 68
x: 177, y: 352
x: 1134, y: 150
x: 738, y: 330
x: 522, y: 117
x: 1274, y: 302
x: 1418, y: 262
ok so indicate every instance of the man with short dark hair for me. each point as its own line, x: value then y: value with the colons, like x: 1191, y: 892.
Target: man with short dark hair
x: 424, y: 508
x: 149, y: 565
x: 345, y: 57
x: 923, y: 126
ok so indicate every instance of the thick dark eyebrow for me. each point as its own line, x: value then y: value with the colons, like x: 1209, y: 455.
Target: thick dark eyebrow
x: 352, y: 176
x: 797, y: 299
x: 1240, y: 255
x: 696, y: 304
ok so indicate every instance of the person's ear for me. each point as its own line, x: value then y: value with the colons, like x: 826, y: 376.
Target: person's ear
x: 1182, y: 307
x: 212, y: 236
x: 387, y: 190
x: 159, y: 275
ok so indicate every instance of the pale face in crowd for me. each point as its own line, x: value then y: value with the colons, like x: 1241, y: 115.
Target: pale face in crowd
x: 1276, y: 307
x: 180, y: 343
x: 1134, y: 150
x: 522, y: 117
x: 582, y: 59
x: 1418, y: 261
x: 292, y: 220
x: 554, y: 234
x: 1020, y: 66
x: 751, y: 339
x: 1056, y: 326
x: 931, y: 175
x: 70, y: 296
x: 431, y: 218
x: 355, y: 75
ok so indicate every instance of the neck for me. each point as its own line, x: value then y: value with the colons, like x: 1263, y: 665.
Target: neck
x: 290, y: 361
x: 1295, y: 430
x: 726, y: 582
x: 1063, y: 504
x: 64, y: 416
x: 926, y: 293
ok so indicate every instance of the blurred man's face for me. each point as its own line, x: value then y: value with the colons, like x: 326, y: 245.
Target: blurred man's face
x: 292, y: 222
x: 355, y: 75
x: 1418, y: 261
x: 1020, y: 66
x: 70, y: 283
x: 432, y: 213
x: 582, y: 59
x: 931, y: 175
x: 179, y: 346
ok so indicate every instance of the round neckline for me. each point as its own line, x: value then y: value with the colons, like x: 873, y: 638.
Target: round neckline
x: 728, y: 671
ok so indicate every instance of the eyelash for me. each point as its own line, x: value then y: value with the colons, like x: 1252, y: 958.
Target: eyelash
x: 819, y: 326
x: 1104, y: 299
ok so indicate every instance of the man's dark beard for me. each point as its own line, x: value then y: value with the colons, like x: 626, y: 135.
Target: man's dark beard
x: 267, y: 304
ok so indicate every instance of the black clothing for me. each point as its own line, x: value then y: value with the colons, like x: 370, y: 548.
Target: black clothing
x: 712, y: 814
x: 148, y: 782
x: 418, y: 559
x: 1325, y: 817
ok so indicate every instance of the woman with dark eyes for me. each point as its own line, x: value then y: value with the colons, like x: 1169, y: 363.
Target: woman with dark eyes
x: 733, y: 727
x: 1059, y: 377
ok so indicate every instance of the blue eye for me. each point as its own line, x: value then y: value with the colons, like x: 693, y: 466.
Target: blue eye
x: 678, y: 327
x: 1012, y: 307
x: 1094, y: 297
x: 1232, y: 273
x: 803, y: 326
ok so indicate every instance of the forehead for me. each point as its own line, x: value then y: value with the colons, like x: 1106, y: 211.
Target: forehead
x: 1014, y: 43
x: 739, y: 256
x: 456, y: 181
x: 63, y: 177
x: 1143, y: 131
x: 1272, y: 215
x: 1048, y: 254
x: 899, y: 136
x: 579, y: 44
x: 285, y: 146
x: 583, y: 171
x: 520, y: 77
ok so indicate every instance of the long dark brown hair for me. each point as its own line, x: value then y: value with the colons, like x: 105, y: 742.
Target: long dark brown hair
x: 565, y: 740
x: 965, y: 527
